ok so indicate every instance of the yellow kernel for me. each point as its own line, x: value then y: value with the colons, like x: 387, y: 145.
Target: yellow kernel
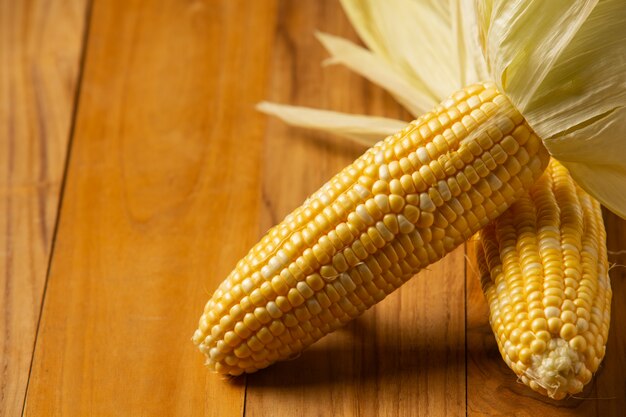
x: 568, y: 305
x: 425, y: 220
x: 302, y: 313
x: 251, y: 321
x: 384, y: 232
x: 283, y: 303
x: 273, y: 310
x: 413, y: 199
x: 353, y: 220
x: 304, y: 289
x: 568, y: 331
x: 242, y: 351
x: 557, y: 292
x: 585, y: 375
x: 426, y: 203
x: 264, y: 335
x: 391, y: 222
x: 295, y: 298
x: 372, y: 208
x: 537, y: 346
x: 396, y: 202
x: 380, y: 187
x: 407, y: 184
x: 382, y: 201
x: 582, y: 325
x: 552, y: 300
x: 405, y: 165
x: 394, y: 169
x: 539, y: 324
x: 395, y: 187
x: 435, y: 196
x: 328, y: 271
x: 578, y: 343
x: 515, y: 335
x: 551, y: 312
x: 543, y: 335
x: 554, y: 325
x: 315, y: 281
x: 232, y: 339
x: 257, y: 298
x: 405, y: 226
x: 568, y: 317
x: 510, y: 145
x: 418, y: 181
x: 262, y: 315
x: 290, y: 320
x: 375, y: 238
x: 365, y: 216
x: 525, y: 355
x: 535, y: 313
x: 323, y: 300
x: 527, y: 338
x: 411, y: 213
x: 245, y: 304
x: 313, y: 306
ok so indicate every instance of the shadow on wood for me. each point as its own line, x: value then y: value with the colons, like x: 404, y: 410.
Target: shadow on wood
x: 357, y: 352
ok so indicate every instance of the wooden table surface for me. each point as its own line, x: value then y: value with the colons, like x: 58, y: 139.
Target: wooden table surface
x: 135, y: 172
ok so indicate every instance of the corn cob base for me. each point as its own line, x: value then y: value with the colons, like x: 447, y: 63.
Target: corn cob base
x: 401, y: 206
x: 544, y: 272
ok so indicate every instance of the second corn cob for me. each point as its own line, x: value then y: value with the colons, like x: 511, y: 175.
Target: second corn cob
x: 404, y: 204
x: 544, y: 272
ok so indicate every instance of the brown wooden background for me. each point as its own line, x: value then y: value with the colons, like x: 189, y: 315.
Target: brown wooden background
x: 134, y: 172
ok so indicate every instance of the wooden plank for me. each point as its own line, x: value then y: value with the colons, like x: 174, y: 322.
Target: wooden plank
x: 492, y: 388
x: 404, y: 357
x: 610, y: 380
x: 161, y: 199
x: 40, y: 48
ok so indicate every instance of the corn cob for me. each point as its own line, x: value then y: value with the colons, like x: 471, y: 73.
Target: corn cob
x: 404, y: 204
x: 544, y: 272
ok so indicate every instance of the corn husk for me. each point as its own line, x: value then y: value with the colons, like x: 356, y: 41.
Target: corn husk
x: 409, y: 93
x: 401, y: 33
x: 364, y: 130
x: 561, y: 62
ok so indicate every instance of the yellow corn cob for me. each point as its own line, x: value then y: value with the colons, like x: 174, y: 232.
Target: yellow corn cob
x: 544, y: 272
x: 402, y: 205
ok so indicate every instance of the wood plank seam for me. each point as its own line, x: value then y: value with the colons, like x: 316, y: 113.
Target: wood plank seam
x: 68, y: 151
x: 466, y: 277
x: 137, y: 239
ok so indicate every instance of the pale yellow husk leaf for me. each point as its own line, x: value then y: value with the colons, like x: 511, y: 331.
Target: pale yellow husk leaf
x: 365, y: 130
x: 415, y: 99
x: 597, y: 160
x: 472, y: 64
x: 563, y: 64
x: 403, y: 32
x: 521, y: 40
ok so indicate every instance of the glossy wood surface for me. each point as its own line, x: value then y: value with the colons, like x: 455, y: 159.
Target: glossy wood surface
x: 40, y: 53
x: 171, y: 176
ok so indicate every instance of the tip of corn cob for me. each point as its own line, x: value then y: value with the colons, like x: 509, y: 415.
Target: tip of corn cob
x: 559, y: 370
x: 544, y: 271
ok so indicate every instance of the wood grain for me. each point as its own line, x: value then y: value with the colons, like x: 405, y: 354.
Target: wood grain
x: 172, y: 177
x: 40, y: 49
x: 161, y: 199
x: 492, y: 388
x: 611, y: 378
x: 404, y: 357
